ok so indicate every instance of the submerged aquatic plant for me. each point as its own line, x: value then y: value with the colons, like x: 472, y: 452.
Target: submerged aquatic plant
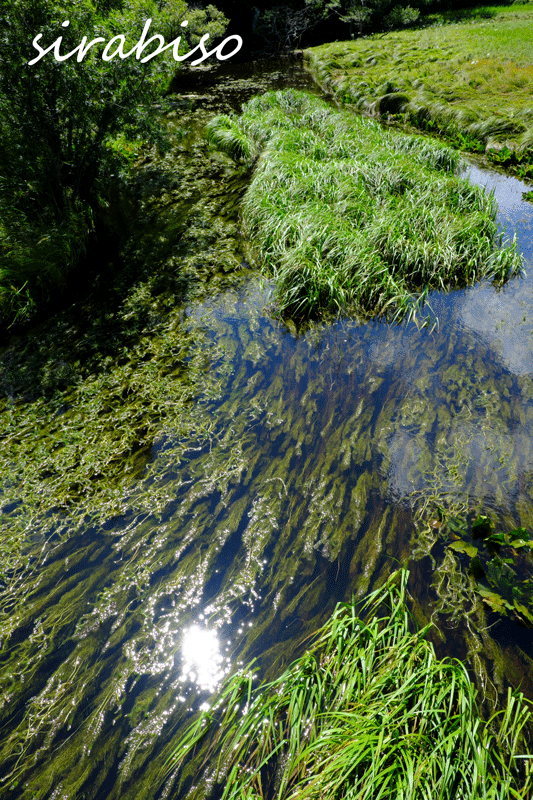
x: 345, y: 214
x: 499, y: 562
x: 368, y: 711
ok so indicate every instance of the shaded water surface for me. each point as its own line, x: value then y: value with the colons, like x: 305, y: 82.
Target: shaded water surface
x: 190, y: 484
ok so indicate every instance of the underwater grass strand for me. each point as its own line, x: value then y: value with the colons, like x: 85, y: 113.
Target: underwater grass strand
x: 339, y: 376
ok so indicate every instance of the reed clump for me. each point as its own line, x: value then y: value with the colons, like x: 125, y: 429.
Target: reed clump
x: 367, y: 712
x: 348, y: 216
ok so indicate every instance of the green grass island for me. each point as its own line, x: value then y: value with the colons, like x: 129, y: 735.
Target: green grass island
x: 349, y: 216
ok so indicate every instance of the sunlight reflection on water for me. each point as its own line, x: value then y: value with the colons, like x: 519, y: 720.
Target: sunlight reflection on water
x: 203, y: 663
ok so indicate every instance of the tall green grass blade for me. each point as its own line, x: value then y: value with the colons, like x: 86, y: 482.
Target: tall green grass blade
x: 368, y: 712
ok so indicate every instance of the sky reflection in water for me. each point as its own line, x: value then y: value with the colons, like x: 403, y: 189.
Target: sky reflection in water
x: 503, y: 318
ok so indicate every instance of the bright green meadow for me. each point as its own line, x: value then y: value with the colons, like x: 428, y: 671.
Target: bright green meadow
x: 471, y: 81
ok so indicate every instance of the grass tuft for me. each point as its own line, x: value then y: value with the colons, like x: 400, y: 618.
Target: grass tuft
x: 347, y: 215
x: 367, y: 712
x: 227, y: 136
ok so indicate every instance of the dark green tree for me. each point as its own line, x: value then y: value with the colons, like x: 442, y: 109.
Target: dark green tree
x: 60, y: 122
x: 365, y: 16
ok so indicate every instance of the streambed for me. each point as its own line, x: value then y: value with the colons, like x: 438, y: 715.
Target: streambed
x: 267, y: 474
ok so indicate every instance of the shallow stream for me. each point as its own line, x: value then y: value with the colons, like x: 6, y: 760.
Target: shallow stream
x: 189, y: 483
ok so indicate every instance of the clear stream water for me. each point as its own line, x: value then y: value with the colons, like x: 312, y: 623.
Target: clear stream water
x: 299, y: 487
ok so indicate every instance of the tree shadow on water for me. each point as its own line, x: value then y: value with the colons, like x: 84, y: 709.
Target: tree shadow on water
x: 162, y: 234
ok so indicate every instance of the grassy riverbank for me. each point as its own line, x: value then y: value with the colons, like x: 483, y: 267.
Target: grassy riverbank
x: 471, y: 82
x: 368, y: 711
x: 347, y: 215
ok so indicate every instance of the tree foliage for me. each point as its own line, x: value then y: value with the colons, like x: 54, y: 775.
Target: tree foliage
x: 362, y: 16
x: 269, y: 26
x: 58, y: 120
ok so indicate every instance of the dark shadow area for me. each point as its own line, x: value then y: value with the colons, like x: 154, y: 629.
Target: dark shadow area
x: 120, y: 292
x: 168, y: 229
x: 454, y: 15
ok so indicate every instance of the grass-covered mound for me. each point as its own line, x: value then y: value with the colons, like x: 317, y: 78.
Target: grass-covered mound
x: 471, y: 82
x: 368, y: 713
x: 345, y: 214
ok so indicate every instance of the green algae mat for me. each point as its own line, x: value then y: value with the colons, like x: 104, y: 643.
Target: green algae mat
x: 346, y: 215
x: 471, y: 81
